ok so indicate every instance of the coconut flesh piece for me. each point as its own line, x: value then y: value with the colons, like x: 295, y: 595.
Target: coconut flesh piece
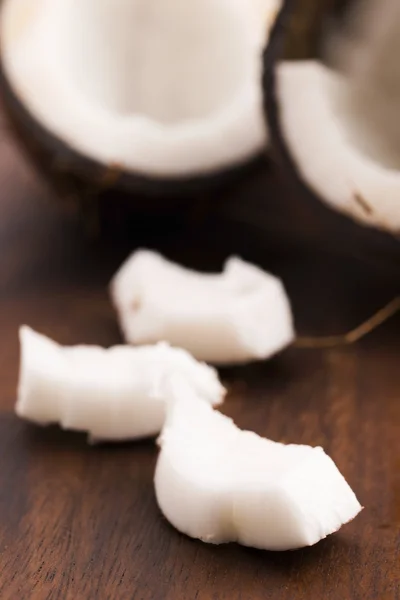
x: 240, y: 315
x: 114, y: 394
x: 168, y: 88
x: 220, y: 484
x: 339, y: 119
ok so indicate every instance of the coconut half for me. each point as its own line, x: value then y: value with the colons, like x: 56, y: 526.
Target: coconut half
x: 162, y: 90
x: 115, y: 394
x: 332, y: 93
x: 240, y: 315
x: 220, y: 484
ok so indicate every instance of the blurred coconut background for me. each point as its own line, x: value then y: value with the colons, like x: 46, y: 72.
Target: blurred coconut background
x: 214, y: 150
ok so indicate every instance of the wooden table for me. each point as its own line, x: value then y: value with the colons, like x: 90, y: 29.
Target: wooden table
x: 81, y: 523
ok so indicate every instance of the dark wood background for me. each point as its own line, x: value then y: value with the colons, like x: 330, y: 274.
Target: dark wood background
x: 82, y: 523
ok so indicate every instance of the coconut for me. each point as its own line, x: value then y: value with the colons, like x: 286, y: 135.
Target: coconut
x: 136, y: 95
x: 113, y: 394
x: 332, y: 89
x: 221, y: 484
x: 240, y: 315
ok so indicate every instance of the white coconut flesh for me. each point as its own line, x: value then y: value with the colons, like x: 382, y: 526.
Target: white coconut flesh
x: 341, y: 122
x: 165, y: 88
x: 220, y: 484
x: 240, y: 315
x: 114, y: 394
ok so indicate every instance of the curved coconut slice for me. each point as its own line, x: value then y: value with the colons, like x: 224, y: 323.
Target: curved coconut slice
x: 332, y: 91
x: 160, y: 89
x: 114, y: 394
x: 240, y: 315
x: 220, y: 484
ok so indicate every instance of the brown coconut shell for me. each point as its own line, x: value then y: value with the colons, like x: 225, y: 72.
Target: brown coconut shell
x: 298, y: 35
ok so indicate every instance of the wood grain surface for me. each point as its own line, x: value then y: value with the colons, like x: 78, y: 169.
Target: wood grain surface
x: 78, y: 522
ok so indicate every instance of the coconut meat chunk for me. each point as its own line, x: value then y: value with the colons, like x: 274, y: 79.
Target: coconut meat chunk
x: 112, y: 394
x: 220, y: 484
x: 165, y: 89
x: 240, y: 315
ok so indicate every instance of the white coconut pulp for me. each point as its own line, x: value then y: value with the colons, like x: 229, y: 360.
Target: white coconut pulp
x: 220, y: 484
x: 341, y: 122
x: 114, y: 394
x: 161, y: 87
x: 240, y: 315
